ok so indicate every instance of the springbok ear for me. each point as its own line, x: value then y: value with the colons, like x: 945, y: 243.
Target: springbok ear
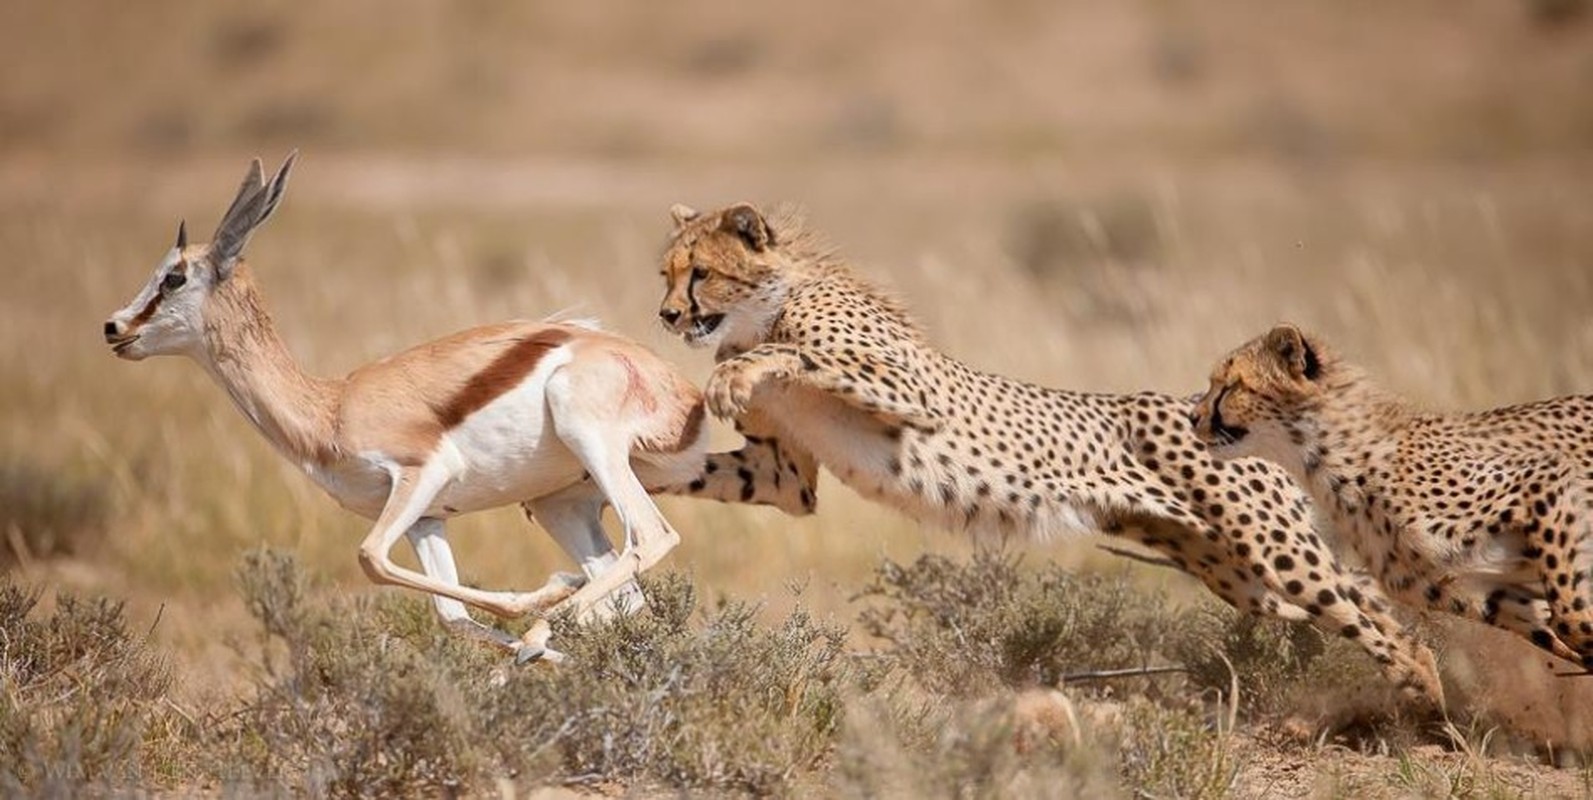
x: 182, y: 235
x: 278, y: 185
x: 255, y: 201
x: 1289, y: 344
x: 683, y: 214
x: 744, y: 221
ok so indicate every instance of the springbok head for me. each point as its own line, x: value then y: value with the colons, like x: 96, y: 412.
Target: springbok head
x: 166, y: 317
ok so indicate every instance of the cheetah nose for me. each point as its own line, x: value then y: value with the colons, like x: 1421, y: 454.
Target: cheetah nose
x: 669, y: 315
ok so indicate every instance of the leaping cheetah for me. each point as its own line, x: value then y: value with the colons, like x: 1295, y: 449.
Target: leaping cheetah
x: 836, y: 370
x: 1484, y: 515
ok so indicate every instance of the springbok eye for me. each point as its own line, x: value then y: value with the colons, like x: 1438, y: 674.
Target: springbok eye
x: 173, y: 281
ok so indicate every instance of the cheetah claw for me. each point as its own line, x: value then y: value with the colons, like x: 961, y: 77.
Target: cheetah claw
x: 728, y: 397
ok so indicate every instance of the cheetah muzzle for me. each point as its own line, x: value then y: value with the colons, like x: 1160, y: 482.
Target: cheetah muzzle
x: 704, y: 327
x: 1224, y: 434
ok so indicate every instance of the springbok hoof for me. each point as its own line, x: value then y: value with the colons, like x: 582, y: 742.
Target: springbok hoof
x: 537, y: 654
x: 534, y: 645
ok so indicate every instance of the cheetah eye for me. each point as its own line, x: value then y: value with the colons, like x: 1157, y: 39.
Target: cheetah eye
x: 173, y: 281
x: 699, y: 273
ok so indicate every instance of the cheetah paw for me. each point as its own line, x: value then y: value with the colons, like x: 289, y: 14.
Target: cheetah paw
x: 729, y: 392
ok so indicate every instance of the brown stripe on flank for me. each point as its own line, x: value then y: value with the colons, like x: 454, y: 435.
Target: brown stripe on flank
x: 504, y: 373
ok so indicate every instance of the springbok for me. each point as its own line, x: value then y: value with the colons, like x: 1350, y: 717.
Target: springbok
x: 561, y: 418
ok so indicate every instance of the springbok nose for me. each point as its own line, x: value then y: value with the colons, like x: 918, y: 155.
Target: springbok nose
x: 111, y: 329
x: 668, y: 315
x: 1194, y: 419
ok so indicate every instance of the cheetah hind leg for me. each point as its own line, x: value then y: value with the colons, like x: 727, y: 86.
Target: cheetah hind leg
x: 1211, y: 565
x: 1249, y: 584
x: 765, y: 471
x: 1510, y: 608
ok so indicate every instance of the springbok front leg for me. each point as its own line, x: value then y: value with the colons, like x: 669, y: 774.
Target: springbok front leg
x: 412, y: 492
x: 437, y: 560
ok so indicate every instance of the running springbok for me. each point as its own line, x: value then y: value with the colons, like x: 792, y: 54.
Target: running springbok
x: 518, y: 412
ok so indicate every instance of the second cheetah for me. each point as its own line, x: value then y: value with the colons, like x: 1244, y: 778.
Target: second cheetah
x: 839, y: 373
x: 1483, y: 515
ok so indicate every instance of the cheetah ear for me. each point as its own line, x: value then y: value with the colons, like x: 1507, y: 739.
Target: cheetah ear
x: 744, y: 221
x: 1291, y: 347
x: 683, y: 214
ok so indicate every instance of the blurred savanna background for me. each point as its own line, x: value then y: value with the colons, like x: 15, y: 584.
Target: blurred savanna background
x: 1100, y: 196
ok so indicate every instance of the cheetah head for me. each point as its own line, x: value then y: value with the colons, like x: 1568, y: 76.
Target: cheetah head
x: 1257, y: 392
x: 722, y: 276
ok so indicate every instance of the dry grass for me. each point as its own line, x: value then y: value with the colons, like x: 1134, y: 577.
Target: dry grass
x: 365, y: 695
x: 361, y: 697
x: 47, y: 514
x: 358, y: 695
x: 83, y: 700
x: 1096, y: 196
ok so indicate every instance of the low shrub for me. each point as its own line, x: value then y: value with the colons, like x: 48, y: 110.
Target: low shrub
x: 907, y: 745
x: 82, y: 698
x: 367, y: 696
x: 966, y: 628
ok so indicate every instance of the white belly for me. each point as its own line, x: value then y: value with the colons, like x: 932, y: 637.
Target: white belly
x: 506, y: 452
x: 502, y: 454
x: 359, y: 484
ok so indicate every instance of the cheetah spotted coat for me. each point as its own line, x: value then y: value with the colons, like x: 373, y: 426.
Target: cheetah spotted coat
x: 1482, y: 515
x: 833, y: 371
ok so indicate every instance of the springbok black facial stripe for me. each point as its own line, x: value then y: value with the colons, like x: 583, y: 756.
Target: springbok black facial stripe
x: 146, y: 312
x: 153, y: 305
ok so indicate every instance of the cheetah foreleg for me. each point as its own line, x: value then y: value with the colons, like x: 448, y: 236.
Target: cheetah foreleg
x: 1260, y: 583
x: 735, y: 380
x: 1304, y: 574
x: 1558, y: 543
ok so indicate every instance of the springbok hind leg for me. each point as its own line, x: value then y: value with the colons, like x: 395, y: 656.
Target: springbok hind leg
x: 648, y: 537
x: 603, y: 447
x: 573, y: 518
